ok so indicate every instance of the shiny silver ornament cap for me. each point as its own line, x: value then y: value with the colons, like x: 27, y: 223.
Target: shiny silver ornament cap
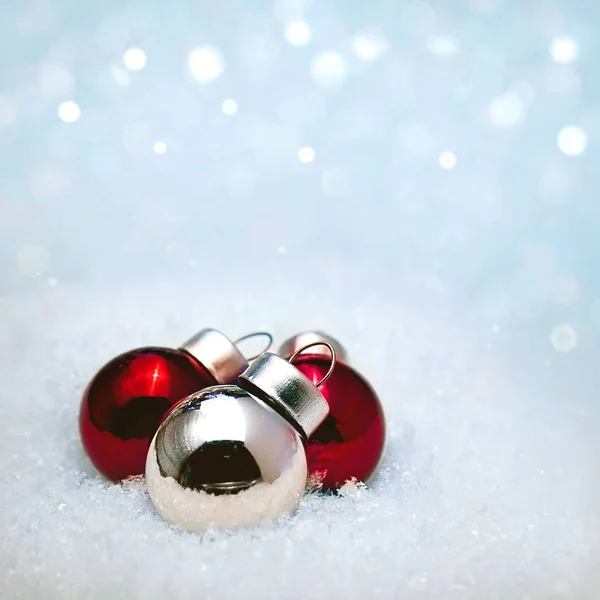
x: 286, y: 390
x: 311, y: 338
x: 218, y: 354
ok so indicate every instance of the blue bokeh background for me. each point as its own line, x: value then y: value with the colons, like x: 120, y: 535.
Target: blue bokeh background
x: 513, y: 224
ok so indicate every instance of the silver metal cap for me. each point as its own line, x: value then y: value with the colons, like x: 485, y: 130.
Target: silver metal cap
x: 218, y: 354
x: 300, y: 340
x: 286, y: 390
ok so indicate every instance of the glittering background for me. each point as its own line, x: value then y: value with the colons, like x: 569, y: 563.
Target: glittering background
x: 417, y: 178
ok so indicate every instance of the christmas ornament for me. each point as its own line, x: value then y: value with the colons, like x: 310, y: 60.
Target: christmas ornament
x: 349, y: 443
x: 230, y: 456
x: 126, y: 400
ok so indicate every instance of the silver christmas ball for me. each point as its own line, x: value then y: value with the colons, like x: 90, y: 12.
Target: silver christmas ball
x: 223, y: 459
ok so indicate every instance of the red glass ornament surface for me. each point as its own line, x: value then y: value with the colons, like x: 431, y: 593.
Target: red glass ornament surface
x: 350, y: 441
x: 125, y: 402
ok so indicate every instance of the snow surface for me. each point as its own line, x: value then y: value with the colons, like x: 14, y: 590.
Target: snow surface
x: 488, y: 488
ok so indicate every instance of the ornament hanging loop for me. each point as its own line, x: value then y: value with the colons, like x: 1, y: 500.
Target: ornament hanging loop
x: 254, y: 334
x: 319, y: 343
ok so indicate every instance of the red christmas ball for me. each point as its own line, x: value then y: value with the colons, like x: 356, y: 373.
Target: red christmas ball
x: 125, y: 402
x: 349, y: 443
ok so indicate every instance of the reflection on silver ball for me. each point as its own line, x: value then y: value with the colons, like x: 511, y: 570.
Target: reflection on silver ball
x: 222, y: 459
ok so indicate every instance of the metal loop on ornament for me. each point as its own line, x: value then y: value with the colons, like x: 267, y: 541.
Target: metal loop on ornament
x: 319, y: 343
x: 256, y: 334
